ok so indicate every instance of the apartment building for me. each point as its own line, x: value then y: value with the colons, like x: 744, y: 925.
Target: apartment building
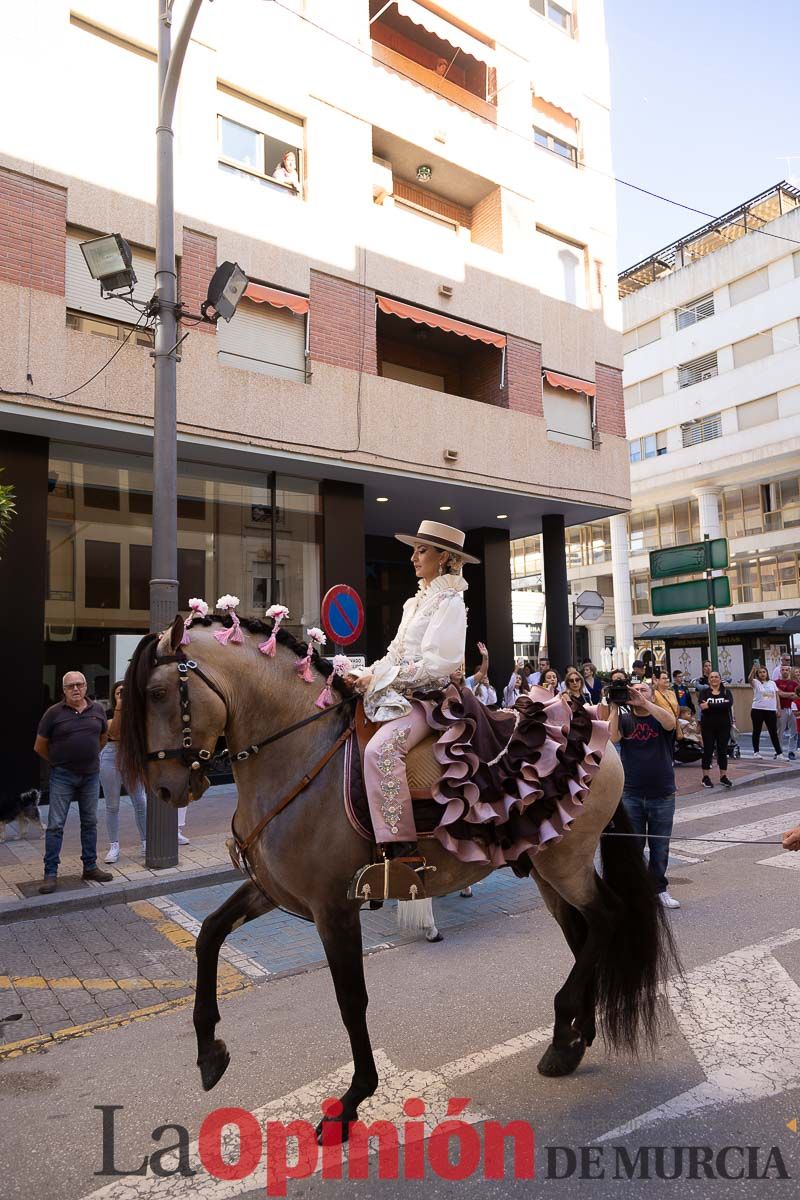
x: 712, y: 401
x: 421, y: 197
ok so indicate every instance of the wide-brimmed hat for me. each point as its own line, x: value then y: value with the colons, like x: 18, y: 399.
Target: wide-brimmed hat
x: 442, y: 537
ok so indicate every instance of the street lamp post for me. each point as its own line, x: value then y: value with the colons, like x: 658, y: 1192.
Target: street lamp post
x: 162, y: 819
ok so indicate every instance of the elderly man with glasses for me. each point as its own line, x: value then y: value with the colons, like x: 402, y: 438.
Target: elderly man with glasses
x: 70, y: 737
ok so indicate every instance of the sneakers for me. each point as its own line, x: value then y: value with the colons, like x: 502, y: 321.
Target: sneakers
x: 792, y: 754
x: 725, y: 781
x: 779, y: 757
x: 668, y: 901
x: 48, y: 885
x: 757, y: 755
x: 113, y: 853
x: 182, y: 839
x: 97, y: 875
x: 706, y: 782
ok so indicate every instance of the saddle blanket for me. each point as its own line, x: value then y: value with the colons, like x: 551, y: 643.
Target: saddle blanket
x: 490, y: 786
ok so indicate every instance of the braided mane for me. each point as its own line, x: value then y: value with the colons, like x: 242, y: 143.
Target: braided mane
x: 133, y: 735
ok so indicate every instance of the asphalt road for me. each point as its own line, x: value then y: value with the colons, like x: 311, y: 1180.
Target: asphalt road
x: 468, y: 1018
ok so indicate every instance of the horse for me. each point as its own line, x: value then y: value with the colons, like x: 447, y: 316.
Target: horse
x: 302, y: 852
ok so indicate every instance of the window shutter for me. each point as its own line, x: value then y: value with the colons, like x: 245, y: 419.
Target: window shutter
x: 753, y: 348
x: 757, y: 412
x: 697, y: 370
x: 568, y: 417
x: 698, y: 310
x: 650, y: 332
x: 705, y: 430
x: 270, y: 341
x: 83, y: 292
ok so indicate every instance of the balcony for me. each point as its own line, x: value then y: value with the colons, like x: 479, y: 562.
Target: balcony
x: 441, y: 56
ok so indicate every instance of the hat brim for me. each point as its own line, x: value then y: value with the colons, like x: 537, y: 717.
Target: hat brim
x: 410, y: 539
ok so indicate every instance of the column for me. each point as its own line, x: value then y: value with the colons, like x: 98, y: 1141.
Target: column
x: 489, y: 604
x: 343, y: 550
x: 554, y: 560
x: 22, y: 614
x: 621, y: 574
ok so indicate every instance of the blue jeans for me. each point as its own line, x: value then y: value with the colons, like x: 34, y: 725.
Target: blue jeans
x: 66, y: 786
x: 112, y: 785
x: 653, y: 817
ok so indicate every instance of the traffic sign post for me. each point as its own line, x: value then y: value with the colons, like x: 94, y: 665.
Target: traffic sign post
x: 342, y: 614
x: 710, y: 593
x: 589, y: 606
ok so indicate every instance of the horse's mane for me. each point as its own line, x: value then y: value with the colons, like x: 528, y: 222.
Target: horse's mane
x: 133, y: 732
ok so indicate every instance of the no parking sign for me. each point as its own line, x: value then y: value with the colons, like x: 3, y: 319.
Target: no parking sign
x: 342, y: 614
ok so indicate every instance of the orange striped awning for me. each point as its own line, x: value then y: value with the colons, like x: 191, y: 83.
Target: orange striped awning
x: 423, y: 316
x: 278, y: 299
x: 570, y: 384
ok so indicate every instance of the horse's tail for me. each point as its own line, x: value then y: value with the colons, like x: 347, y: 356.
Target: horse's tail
x: 641, y: 953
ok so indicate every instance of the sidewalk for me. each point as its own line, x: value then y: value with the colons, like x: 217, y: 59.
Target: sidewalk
x: 205, y: 861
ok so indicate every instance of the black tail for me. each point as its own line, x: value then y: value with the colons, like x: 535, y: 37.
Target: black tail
x: 641, y: 953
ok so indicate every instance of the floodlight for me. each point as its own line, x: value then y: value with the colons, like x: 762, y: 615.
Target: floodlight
x: 110, y: 261
x: 225, y: 290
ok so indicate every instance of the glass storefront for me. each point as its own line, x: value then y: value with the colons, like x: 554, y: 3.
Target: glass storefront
x: 98, y: 551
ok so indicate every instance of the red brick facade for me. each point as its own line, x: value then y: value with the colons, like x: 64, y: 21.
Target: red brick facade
x: 487, y: 222
x: 198, y: 264
x: 33, y: 232
x: 610, y: 404
x: 524, y: 377
x: 342, y: 323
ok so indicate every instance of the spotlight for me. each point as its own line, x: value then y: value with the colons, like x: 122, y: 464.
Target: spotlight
x: 110, y: 261
x: 225, y: 290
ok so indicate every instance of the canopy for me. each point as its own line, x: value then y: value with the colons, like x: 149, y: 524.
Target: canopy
x: 459, y: 39
x: 278, y: 299
x: 423, y: 316
x: 570, y: 383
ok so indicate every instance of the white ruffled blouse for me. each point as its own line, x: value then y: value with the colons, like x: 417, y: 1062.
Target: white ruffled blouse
x: 428, y: 647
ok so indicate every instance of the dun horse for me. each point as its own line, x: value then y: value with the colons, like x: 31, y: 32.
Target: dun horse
x: 304, y: 858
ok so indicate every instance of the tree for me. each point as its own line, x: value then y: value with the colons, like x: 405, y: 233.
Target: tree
x: 8, y: 508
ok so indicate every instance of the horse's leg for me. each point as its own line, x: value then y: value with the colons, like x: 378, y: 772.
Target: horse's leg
x: 340, y: 931
x: 574, y: 1003
x: 244, y: 905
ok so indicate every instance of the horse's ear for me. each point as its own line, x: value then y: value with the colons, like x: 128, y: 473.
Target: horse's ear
x: 176, y: 633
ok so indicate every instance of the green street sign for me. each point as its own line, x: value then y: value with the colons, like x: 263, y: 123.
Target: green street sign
x: 686, y: 560
x: 687, y: 597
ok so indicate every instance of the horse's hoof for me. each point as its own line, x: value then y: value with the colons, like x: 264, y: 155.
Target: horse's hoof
x: 437, y: 937
x: 214, y: 1065
x: 555, y: 1062
x: 335, y: 1121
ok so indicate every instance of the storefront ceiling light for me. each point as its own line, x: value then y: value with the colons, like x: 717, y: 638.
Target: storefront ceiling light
x: 502, y: 516
x: 381, y: 499
x: 444, y: 508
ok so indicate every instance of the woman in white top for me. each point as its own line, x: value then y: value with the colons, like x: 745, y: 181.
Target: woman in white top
x: 428, y: 648
x: 765, y: 709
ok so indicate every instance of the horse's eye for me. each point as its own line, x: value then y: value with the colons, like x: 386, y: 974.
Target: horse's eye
x: 156, y: 695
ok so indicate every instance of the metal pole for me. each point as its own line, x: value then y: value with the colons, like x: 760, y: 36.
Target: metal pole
x: 574, y: 637
x: 274, y: 598
x: 712, y: 612
x: 162, y: 819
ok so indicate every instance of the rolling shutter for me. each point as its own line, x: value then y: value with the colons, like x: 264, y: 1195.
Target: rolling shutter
x: 83, y: 292
x: 270, y: 341
x: 568, y: 417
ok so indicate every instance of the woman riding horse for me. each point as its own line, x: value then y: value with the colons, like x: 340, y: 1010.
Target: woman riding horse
x: 428, y: 648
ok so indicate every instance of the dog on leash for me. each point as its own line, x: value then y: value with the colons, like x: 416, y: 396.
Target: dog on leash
x: 24, y: 813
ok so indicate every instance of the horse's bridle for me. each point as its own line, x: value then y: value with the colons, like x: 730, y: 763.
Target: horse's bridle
x: 195, y: 757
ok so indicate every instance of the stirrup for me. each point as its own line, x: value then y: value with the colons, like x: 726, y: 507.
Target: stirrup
x: 392, y: 879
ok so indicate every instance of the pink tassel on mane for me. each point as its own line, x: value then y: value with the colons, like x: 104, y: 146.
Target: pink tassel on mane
x: 268, y: 647
x: 278, y: 613
x: 234, y: 634
x: 186, y: 639
x: 325, y: 698
x: 303, y: 667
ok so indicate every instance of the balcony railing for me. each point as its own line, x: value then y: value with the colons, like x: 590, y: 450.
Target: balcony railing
x: 433, y: 82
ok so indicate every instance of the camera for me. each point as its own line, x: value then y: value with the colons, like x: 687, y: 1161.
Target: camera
x: 617, y: 692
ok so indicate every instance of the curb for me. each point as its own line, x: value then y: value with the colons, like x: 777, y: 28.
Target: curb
x: 776, y: 776
x: 102, y: 895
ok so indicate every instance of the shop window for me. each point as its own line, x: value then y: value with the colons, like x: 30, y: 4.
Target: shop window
x: 101, y: 574
x: 191, y: 575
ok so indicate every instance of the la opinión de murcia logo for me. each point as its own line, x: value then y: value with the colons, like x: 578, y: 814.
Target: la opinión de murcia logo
x: 233, y: 1146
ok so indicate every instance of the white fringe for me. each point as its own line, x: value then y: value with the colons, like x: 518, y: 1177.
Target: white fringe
x: 415, y: 914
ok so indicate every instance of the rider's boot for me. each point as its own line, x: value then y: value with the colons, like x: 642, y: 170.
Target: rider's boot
x: 400, y: 850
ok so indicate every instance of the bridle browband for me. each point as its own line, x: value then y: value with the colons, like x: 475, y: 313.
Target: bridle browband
x: 194, y: 757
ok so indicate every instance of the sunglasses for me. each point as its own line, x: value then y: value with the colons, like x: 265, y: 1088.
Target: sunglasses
x: 68, y: 687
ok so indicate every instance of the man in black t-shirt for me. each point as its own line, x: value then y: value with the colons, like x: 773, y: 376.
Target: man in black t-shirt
x: 70, y: 737
x: 645, y: 733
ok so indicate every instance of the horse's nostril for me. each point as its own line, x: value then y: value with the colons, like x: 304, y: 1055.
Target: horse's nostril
x: 163, y: 793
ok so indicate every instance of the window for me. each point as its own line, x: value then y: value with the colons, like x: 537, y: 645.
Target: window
x: 267, y: 340
x: 87, y: 310
x: 653, y: 445
x: 568, y: 416
x: 697, y: 370
x: 697, y: 310
x: 561, y: 268
x: 748, y: 285
x: 640, y: 593
x: 704, y: 430
x: 645, y: 390
x: 548, y: 141
x: 101, y: 574
x: 557, y: 13
x: 752, y: 349
x: 266, y: 152
x: 757, y: 412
